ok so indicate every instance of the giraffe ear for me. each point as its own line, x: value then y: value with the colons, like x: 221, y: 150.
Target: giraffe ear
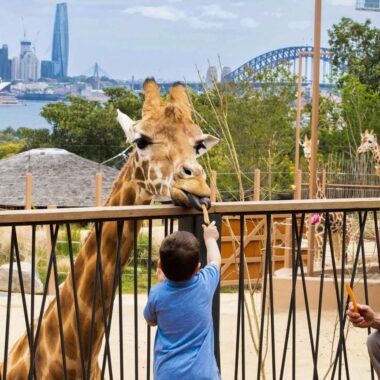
x: 126, y: 123
x: 152, y: 97
x: 208, y: 141
x: 178, y: 96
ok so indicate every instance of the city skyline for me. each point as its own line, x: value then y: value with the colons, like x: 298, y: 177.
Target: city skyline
x: 170, y: 38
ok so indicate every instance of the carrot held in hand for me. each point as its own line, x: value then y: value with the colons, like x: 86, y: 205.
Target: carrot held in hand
x: 352, y: 297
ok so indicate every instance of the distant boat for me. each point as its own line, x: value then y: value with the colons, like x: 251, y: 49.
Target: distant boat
x: 7, y: 99
x: 41, y: 97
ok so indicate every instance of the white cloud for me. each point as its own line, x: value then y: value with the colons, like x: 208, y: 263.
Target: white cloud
x: 238, y: 4
x: 344, y: 3
x: 157, y: 12
x: 197, y: 23
x: 249, y: 23
x: 166, y: 13
x: 273, y: 13
x: 299, y: 25
x: 216, y: 11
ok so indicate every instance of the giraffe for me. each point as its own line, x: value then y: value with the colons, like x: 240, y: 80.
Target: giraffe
x: 162, y: 163
x: 369, y: 144
x: 318, y: 220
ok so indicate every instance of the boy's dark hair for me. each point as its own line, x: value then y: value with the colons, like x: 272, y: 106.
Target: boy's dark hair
x: 179, y: 255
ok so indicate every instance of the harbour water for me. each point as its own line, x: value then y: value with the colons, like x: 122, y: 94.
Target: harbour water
x: 27, y: 114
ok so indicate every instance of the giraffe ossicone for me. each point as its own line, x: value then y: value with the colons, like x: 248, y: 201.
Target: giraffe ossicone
x: 163, y: 163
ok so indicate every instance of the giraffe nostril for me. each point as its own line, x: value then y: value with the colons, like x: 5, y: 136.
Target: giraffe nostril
x: 187, y: 171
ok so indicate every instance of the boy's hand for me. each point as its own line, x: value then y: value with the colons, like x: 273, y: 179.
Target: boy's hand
x: 210, y: 232
x: 364, y: 318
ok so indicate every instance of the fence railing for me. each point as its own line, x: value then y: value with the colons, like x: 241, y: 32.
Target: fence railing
x: 286, y: 325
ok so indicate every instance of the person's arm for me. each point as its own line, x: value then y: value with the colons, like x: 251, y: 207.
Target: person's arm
x: 211, y: 235
x: 365, y: 317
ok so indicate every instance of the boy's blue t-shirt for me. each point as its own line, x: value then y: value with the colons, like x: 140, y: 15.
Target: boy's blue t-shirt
x: 184, y: 344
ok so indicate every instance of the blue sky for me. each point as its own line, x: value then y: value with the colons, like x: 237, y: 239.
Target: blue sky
x: 169, y: 38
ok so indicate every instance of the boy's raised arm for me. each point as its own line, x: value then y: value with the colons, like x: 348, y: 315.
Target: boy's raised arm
x: 211, y: 235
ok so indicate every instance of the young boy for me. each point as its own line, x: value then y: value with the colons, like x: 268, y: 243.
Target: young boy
x: 180, y: 306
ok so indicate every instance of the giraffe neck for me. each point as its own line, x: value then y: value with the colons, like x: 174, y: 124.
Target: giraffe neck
x: 319, y: 193
x: 126, y: 191
x: 376, y: 155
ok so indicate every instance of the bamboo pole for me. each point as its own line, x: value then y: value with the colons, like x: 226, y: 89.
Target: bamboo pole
x: 28, y: 191
x: 51, y: 285
x: 256, y: 189
x: 98, y: 189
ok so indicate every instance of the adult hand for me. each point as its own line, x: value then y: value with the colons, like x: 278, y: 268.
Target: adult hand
x: 364, y: 318
x: 210, y: 232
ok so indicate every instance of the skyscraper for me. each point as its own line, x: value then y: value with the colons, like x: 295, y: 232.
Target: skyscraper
x: 5, y: 65
x: 60, y: 53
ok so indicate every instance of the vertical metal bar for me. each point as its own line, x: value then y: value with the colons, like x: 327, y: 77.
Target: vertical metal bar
x: 32, y: 285
x: 366, y: 291
x: 120, y: 283
x: 362, y: 221
x: 75, y: 295
x: 42, y: 309
x: 99, y: 272
x: 241, y: 290
x: 294, y: 293
x: 377, y: 236
x: 58, y: 301
x: 113, y: 291
x: 135, y: 298
x: 148, y: 354
x: 315, y: 376
x: 343, y: 260
x: 263, y: 304
x: 171, y: 228
x: 10, y: 278
x: 237, y: 343
x: 271, y: 301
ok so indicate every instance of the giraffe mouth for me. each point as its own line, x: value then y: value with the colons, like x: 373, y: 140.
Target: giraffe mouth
x: 197, y: 202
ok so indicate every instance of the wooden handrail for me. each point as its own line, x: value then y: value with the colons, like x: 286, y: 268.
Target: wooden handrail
x: 160, y: 211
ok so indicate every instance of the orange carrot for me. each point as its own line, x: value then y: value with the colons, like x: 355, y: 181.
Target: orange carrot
x: 352, y: 297
x: 205, y: 214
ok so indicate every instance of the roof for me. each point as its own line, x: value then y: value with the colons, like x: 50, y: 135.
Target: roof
x: 59, y: 178
x: 4, y: 85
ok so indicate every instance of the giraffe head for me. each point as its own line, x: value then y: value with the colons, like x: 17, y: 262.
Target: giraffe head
x: 368, y: 143
x: 306, y: 146
x: 167, y: 145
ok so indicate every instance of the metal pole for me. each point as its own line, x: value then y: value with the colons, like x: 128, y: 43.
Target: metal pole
x: 298, y: 119
x: 315, y: 100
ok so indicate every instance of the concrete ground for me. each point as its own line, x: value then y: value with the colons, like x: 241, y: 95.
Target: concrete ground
x: 356, y: 348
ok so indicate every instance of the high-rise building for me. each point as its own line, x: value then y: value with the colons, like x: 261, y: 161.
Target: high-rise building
x: 15, y: 68
x: 225, y: 71
x: 5, y: 64
x: 49, y: 69
x: 211, y: 76
x: 60, y: 53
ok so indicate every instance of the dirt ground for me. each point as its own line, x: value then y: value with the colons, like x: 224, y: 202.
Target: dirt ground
x: 356, y: 348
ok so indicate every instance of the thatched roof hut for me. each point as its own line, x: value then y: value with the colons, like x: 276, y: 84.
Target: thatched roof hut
x: 59, y: 178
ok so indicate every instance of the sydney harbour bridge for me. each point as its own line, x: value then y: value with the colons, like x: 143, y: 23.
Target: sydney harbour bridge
x: 290, y: 56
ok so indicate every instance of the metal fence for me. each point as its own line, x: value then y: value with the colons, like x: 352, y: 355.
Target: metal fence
x: 90, y: 321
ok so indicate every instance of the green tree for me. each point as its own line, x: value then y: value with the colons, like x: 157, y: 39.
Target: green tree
x: 356, y: 48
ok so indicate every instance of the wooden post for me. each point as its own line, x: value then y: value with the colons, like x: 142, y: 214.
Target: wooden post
x: 98, y: 189
x: 51, y: 285
x: 311, y: 250
x: 256, y: 184
x: 288, y: 243
x: 324, y: 182
x: 298, y: 184
x: 28, y: 191
x: 213, y: 186
x: 315, y: 100
x: 298, y: 118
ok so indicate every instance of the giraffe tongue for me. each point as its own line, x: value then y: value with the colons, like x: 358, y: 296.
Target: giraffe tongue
x: 196, y: 201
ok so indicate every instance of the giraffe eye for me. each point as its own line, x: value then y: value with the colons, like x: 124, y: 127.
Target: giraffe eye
x: 141, y: 142
x: 370, y: 141
x: 199, y: 146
